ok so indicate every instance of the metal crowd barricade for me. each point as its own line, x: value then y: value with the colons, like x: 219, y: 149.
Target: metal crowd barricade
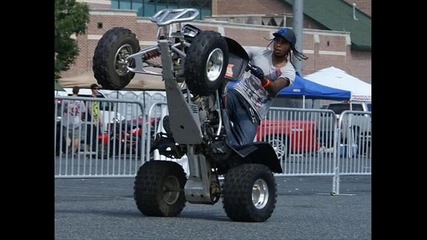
x: 303, y: 139
x: 117, y: 149
x: 353, y: 148
x: 308, y: 142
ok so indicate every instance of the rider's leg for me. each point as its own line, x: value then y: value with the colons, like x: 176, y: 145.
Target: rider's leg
x: 244, y: 128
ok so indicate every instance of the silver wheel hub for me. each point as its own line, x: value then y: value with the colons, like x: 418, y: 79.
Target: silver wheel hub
x: 214, y: 64
x: 120, y: 62
x: 260, y: 194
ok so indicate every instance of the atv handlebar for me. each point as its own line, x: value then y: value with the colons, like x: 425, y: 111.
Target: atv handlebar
x: 168, y: 16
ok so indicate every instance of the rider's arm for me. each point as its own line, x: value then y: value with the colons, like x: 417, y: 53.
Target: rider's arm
x: 274, y: 87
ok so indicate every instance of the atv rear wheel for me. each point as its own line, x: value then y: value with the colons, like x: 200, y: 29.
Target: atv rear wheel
x: 205, y: 63
x: 250, y: 193
x: 109, y: 59
x: 159, y: 188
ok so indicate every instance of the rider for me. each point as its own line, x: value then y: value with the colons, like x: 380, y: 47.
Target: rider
x: 249, y: 100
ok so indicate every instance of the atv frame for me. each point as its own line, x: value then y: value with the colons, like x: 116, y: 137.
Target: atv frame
x: 196, y: 67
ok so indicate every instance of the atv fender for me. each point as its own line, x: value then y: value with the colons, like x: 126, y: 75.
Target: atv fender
x: 259, y: 152
x: 238, y: 60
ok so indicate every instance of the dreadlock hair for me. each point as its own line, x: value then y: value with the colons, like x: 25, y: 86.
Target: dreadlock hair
x: 299, y: 55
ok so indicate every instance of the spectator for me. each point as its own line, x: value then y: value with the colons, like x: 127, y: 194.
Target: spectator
x: 249, y: 100
x: 93, y: 119
x: 72, y: 121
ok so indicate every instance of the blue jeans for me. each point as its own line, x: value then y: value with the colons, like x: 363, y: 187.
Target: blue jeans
x: 244, y: 128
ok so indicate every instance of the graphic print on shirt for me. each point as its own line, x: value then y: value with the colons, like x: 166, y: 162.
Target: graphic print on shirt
x: 72, y: 108
x: 72, y: 111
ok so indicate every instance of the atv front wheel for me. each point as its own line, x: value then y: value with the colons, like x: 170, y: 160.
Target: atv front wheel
x: 109, y: 59
x: 205, y: 63
x: 250, y: 193
x: 159, y: 188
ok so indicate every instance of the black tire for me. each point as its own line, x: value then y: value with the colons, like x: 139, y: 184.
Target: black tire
x: 109, y: 66
x: 205, y: 63
x: 159, y: 189
x: 281, y: 147
x: 244, y: 184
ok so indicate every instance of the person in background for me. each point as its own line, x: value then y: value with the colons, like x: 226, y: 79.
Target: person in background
x: 249, y: 100
x: 72, y: 121
x: 93, y: 119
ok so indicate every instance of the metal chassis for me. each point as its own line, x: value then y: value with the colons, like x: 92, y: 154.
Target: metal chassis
x: 187, y: 131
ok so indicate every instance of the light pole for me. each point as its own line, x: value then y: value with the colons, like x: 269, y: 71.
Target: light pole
x: 297, y: 25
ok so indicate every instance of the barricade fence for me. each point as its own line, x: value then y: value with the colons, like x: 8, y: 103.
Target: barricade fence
x: 308, y: 142
x: 112, y: 146
x: 352, y: 146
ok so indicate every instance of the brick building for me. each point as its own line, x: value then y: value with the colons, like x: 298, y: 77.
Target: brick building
x: 323, y: 46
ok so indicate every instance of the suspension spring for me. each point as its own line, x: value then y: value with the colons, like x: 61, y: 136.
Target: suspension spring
x: 152, y: 54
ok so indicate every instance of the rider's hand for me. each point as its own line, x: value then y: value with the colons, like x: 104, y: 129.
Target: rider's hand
x: 257, y: 72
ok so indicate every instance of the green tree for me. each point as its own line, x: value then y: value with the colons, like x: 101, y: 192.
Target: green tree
x: 71, y: 19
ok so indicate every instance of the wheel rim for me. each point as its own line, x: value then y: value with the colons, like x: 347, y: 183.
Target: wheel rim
x: 214, y: 64
x: 120, y: 62
x: 171, y: 190
x: 260, y: 194
x: 279, y: 147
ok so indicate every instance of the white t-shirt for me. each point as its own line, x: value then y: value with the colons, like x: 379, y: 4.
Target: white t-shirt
x: 72, y: 112
x: 251, y: 88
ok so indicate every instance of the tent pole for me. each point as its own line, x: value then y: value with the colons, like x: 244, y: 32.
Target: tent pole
x: 303, y: 101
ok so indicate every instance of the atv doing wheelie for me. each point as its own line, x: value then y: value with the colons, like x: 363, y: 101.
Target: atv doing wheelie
x: 196, y: 67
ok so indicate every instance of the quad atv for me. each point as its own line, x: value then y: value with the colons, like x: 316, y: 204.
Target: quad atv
x: 196, y: 66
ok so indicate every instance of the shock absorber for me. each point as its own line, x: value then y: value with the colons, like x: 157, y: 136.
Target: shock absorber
x: 151, y: 54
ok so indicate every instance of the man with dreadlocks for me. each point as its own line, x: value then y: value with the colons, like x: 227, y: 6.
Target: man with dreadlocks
x: 249, y: 100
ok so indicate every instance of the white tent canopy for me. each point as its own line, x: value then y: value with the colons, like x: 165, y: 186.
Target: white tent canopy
x: 337, y: 78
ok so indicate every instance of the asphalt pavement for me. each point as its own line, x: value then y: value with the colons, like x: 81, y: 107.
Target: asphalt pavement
x: 104, y: 209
